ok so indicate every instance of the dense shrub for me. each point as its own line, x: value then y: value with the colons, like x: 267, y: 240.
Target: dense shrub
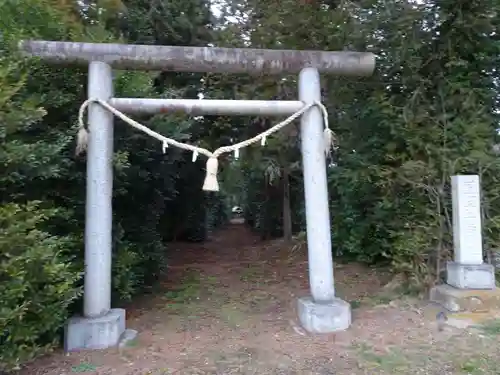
x: 37, y: 284
x: 41, y: 251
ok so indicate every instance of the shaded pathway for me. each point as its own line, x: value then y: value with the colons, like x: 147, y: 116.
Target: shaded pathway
x: 228, y: 307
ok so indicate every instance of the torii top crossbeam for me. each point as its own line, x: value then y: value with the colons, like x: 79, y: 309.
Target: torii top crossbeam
x: 201, y: 59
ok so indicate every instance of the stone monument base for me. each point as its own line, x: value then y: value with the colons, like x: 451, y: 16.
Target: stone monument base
x: 466, y: 300
x: 97, y: 333
x: 471, y: 276
x: 327, y: 317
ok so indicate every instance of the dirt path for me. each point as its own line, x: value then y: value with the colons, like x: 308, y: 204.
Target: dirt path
x: 229, y: 308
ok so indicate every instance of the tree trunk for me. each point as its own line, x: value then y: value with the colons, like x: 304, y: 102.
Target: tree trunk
x: 287, y: 212
x: 264, y: 222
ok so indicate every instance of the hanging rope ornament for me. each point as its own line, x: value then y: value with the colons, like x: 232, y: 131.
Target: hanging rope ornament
x: 82, y: 140
x: 210, y: 183
x: 330, y: 141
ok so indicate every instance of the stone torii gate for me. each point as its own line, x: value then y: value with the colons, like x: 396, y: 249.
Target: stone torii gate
x: 101, y: 326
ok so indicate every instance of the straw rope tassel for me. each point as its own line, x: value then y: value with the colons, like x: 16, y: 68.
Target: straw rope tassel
x: 211, y: 183
x: 328, y: 134
x: 82, y: 140
x: 328, y: 138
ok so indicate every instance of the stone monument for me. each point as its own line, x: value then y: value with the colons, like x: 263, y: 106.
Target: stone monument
x: 470, y: 284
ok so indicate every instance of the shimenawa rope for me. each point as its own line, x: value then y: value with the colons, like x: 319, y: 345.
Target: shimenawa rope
x: 211, y: 183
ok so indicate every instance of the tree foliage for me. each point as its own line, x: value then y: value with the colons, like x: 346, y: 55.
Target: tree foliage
x: 427, y: 113
x: 38, y: 109
x: 38, y: 283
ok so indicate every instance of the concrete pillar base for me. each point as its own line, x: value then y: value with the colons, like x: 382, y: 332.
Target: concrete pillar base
x: 470, y: 276
x: 324, y: 317
x: 466, y: 300
x: 97, y: 333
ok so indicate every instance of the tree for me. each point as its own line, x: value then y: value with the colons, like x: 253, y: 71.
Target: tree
x: 427, y: 113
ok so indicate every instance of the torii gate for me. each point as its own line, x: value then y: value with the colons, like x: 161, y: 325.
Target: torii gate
x: 103, y: 327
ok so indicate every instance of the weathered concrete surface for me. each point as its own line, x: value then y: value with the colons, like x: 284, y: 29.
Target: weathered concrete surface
x: 328, y: 317
x: 470, y: 276
x: 97, y: 333
x: 466, y: 300
x: 460, y: 320
x: 201, y: 59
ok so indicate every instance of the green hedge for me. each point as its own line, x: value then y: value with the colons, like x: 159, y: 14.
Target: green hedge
x: 37, y: 284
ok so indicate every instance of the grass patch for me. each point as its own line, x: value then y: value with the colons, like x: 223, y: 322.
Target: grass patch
x: 251, y: 274
x: 392, y: 361
x: 371, y: 301
x: 490, y: 327
x: 132, y: 343
x: 480, y: 365
x: 388, y: 296
x: 188, y: 295
x: 84, y: 367
x: 355, y: 304
x: 232, y: 315
x: 427, y: 358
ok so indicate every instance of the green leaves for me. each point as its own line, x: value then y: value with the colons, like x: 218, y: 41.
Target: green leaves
x: 153, y: 193
x: 427, y: 113
x: 429, y: 116
x: 37, y: 283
